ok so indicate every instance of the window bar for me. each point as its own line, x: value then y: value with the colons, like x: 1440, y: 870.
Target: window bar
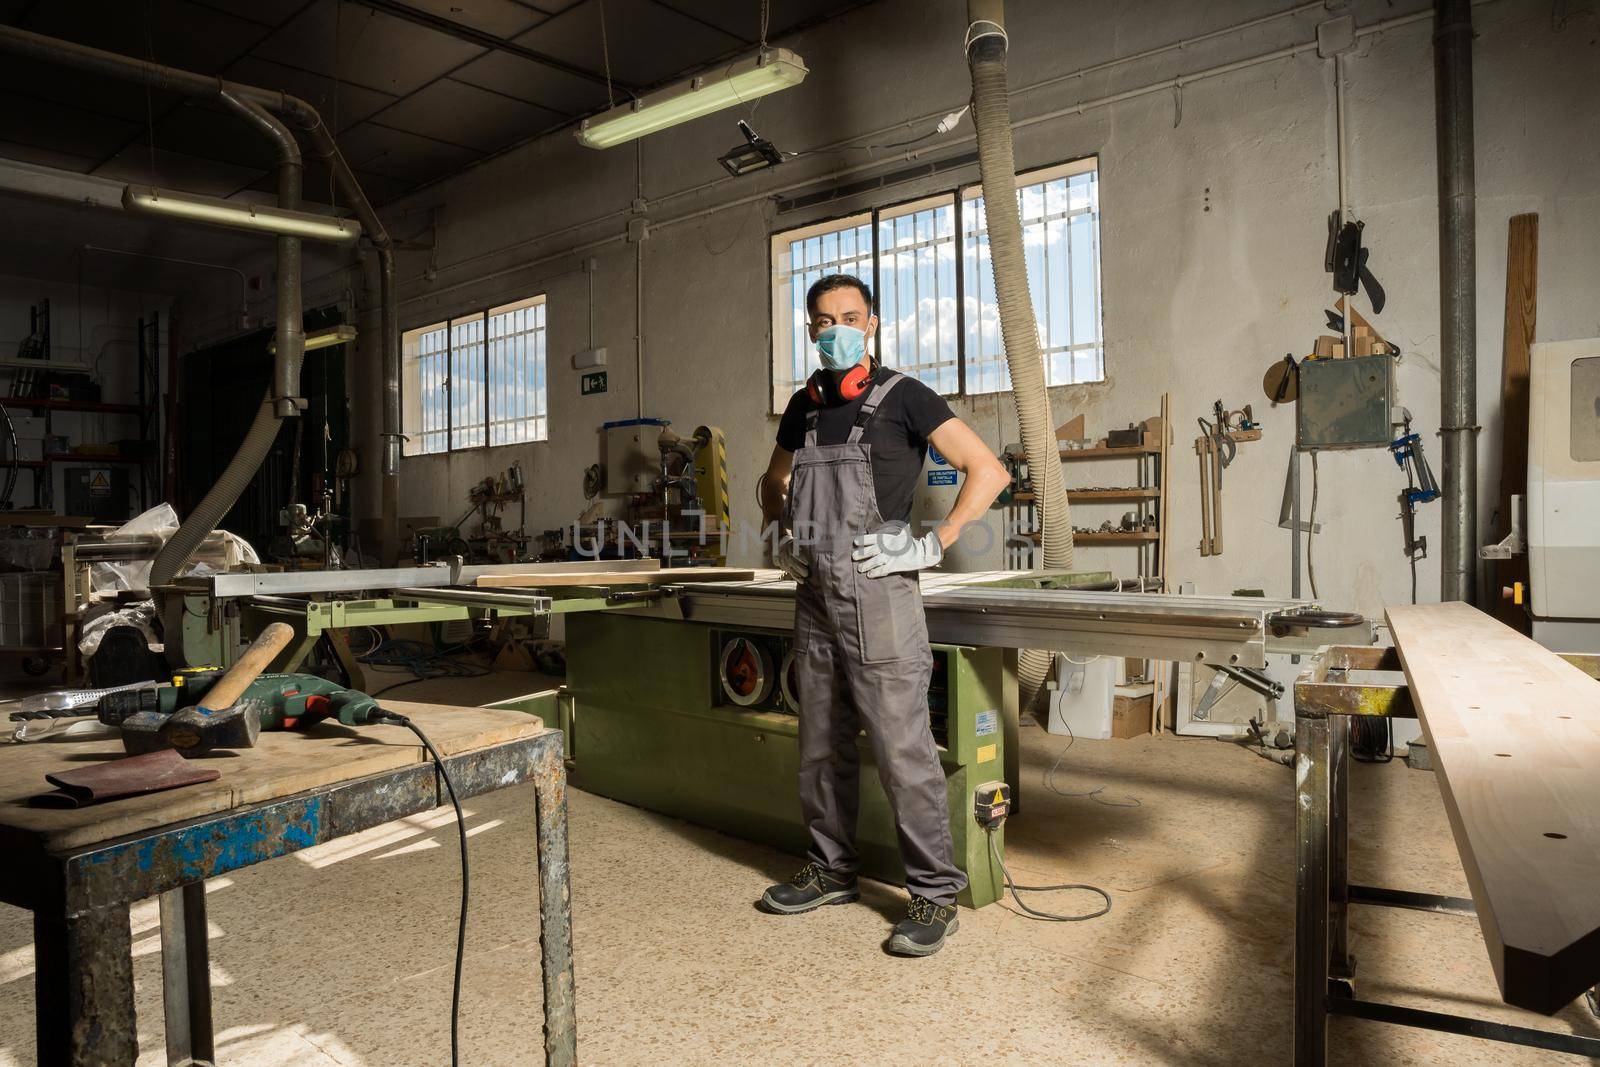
x: 961, y: 301
x: 877, y: 288
x: 449, y: 386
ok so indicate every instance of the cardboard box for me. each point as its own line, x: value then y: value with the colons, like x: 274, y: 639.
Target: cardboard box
x: 1130, y: 710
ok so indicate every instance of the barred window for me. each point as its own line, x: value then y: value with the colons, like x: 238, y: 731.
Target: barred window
x: 928, y: 262
x: 476, y: 379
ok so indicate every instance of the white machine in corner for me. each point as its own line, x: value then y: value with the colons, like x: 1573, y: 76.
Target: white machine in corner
x: 1563, y: 503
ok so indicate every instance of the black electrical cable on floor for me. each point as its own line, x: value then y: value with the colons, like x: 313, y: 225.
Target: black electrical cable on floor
x: 395, y: 719
x: 1018, y: 890
x: 1129, y: 801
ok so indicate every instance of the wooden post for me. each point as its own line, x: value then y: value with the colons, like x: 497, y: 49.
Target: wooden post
x: 1522, y: 290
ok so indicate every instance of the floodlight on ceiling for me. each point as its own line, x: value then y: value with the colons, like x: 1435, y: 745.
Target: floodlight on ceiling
x: 148, y: 200
x: 757, y: 153
x: 738, y: 83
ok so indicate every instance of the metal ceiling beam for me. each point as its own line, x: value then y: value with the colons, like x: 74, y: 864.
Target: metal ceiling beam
x: 482, y: 39
x: 34, y: 180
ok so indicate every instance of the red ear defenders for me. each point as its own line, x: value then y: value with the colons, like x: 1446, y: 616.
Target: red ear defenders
x: 827, y: 388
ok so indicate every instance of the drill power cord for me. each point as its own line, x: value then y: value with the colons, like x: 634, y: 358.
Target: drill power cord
x: 396, y: 719
x: 1018, y: 890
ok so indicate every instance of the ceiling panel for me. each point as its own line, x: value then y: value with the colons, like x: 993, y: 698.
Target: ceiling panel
x: 45, y: 157
x: 44, y: 124
x: 743, y: 17
x: 318, y: 186
x: 503, y: 18
x: 648, y: 42
x: 351, y: 104
x: 534, y: 83
x: 175, y: 170
x: 412, y: 103
x: 180, y: 34
x: 466, y: 115
x: 401, y: 154
x: 374, y: 49
x: 90, y: 93
x: 200, y: 130
x: 264, y: 12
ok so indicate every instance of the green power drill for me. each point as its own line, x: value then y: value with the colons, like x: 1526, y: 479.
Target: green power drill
x: 270, y: 702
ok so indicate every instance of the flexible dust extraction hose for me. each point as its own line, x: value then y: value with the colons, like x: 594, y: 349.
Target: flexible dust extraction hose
x: 991, y: 115
x: 285, y: 384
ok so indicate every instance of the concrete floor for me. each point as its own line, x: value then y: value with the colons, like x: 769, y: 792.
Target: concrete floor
x: 342, y: 954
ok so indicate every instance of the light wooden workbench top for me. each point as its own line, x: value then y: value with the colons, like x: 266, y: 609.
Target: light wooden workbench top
x: 282, y: 763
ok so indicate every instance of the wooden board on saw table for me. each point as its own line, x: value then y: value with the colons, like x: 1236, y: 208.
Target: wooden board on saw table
x: 660, y: 576
x: 1514, y: 731
x: 284, y: 762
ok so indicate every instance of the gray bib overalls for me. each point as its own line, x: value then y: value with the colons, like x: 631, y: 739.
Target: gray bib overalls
x: 861, y: 648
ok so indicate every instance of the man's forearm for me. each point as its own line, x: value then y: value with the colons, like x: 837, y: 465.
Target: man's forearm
x: 772, y: 494
x: 978, y: 490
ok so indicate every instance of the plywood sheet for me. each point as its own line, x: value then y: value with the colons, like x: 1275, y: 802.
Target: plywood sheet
x: 282, y: 763
x: 1514, y: 731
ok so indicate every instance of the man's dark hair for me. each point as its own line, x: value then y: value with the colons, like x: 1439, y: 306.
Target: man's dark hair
x: 829, y: 283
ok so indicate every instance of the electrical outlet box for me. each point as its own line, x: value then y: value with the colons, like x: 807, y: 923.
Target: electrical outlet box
x: 589, y: 357
x: 1344, y: 403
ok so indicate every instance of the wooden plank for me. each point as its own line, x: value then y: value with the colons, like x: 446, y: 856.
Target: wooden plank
x: 573, y: 566
x: 1522, y: 292
x: 1514, y: 732
x: 1105, y: 452
x: 1147, y: 493
x: 659, y: 576
x: 282, y: 763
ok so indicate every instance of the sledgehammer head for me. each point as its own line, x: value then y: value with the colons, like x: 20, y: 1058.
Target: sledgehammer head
x: 192, y: 731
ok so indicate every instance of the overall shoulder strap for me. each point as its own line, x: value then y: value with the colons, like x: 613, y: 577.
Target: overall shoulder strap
x: 870, y: 408
x: 811, y: 427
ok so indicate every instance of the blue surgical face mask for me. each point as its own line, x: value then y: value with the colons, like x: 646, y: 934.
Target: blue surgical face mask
x: 841, y: 347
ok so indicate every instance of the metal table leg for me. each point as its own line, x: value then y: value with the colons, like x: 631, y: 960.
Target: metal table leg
x: 1312, y: 802
x: 1341, y: 965
x: 555, y: 910
x: 186, y: 974
x: 83, y: 982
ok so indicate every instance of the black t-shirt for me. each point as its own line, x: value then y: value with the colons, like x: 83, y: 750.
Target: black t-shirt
x: 898, y: 435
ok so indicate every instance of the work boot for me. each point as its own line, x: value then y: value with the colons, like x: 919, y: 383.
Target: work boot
x: 923, y: 930
x: 811, y: 888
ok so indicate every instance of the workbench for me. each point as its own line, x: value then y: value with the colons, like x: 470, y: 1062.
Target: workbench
x: 1512, y: 733
x: 79, y: 869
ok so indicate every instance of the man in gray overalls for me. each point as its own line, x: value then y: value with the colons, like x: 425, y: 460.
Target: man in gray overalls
x: 850, y: 451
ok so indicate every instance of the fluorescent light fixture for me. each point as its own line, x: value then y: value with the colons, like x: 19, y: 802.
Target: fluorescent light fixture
x: 333, y: 335
x: 148, y: 200
x: 737, y: 83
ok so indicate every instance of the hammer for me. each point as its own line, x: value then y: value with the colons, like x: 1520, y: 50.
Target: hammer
x: 220, y: 721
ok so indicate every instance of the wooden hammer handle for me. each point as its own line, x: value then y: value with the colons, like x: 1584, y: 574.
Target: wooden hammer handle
x: 231, y: 686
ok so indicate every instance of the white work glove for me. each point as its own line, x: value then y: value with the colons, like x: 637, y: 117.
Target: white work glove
x: 894, y: 550
x: 793, y: 560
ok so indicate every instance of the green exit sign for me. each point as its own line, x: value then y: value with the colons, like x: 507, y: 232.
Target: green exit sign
x: 592, y: 383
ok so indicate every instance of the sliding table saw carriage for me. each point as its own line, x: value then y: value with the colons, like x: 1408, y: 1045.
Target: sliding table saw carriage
x: 677, y: 698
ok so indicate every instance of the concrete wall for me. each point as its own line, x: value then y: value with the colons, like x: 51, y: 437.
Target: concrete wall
x: 1213, y: 207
